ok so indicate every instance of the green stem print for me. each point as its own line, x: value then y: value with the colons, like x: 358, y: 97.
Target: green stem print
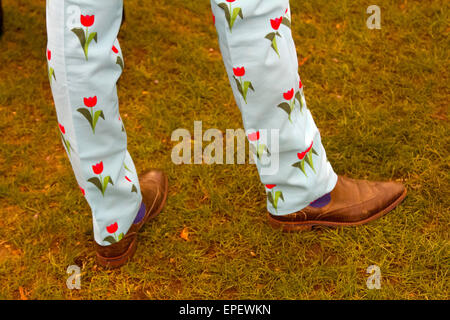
x: 83, y: 35
x: 242, y: 85
x: 126, y: 168
x: 51, y: 75
x: 298, y: 97
x: 306, y: 157
x: 274, y: 196
x: 272, y: 36
x: 100, y: 182
x: 230, y: 13
x: 119, y: 61
x: 89, y: 113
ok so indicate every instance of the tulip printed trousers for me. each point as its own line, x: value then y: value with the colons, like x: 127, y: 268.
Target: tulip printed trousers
x: 85, y: 61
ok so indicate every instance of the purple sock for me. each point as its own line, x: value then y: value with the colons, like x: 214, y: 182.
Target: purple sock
x: 322, y: 201
x: 140, y: 214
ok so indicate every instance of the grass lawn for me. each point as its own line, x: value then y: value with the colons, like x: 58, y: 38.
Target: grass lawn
x: 379, y: 97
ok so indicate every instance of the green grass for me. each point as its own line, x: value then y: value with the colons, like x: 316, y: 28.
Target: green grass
x: 379, y: 97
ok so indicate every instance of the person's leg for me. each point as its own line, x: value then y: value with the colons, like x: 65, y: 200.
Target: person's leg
x: 84, y: 64
x: 261, y: 61
x: 257, y: 46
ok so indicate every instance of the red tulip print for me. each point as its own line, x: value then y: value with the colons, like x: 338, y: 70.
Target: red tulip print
x: 89, y: 114
x: 300, y: 85
x: 82, y: 191
x: 100, y: 182
x: 112, y: 229
x: 242, y: 85
x: 84, y: 36
x: 61, y: 127
x: 49, y: 55
x: 90, y: 102
x: 289, y: 94
x: 239, y: 72
x: 231, y: 14
x: 275, y: 23
x: 115, y: 50
x: 87, y: 21
x: 306, y: 156
x: 98, y: 168
x: 301, y: 155
x: 253, y: 136
x: 270, y: 186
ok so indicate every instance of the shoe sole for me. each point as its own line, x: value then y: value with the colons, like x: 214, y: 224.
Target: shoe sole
x: 308, y: 225
x: 112, y: 263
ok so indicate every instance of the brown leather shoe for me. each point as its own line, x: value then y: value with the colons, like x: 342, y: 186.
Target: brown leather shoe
x: 154, y: 187
x: 352, y: 202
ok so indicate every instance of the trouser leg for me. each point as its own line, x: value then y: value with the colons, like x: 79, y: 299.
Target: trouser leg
x: 84, y: 64
x: 261, y: 61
